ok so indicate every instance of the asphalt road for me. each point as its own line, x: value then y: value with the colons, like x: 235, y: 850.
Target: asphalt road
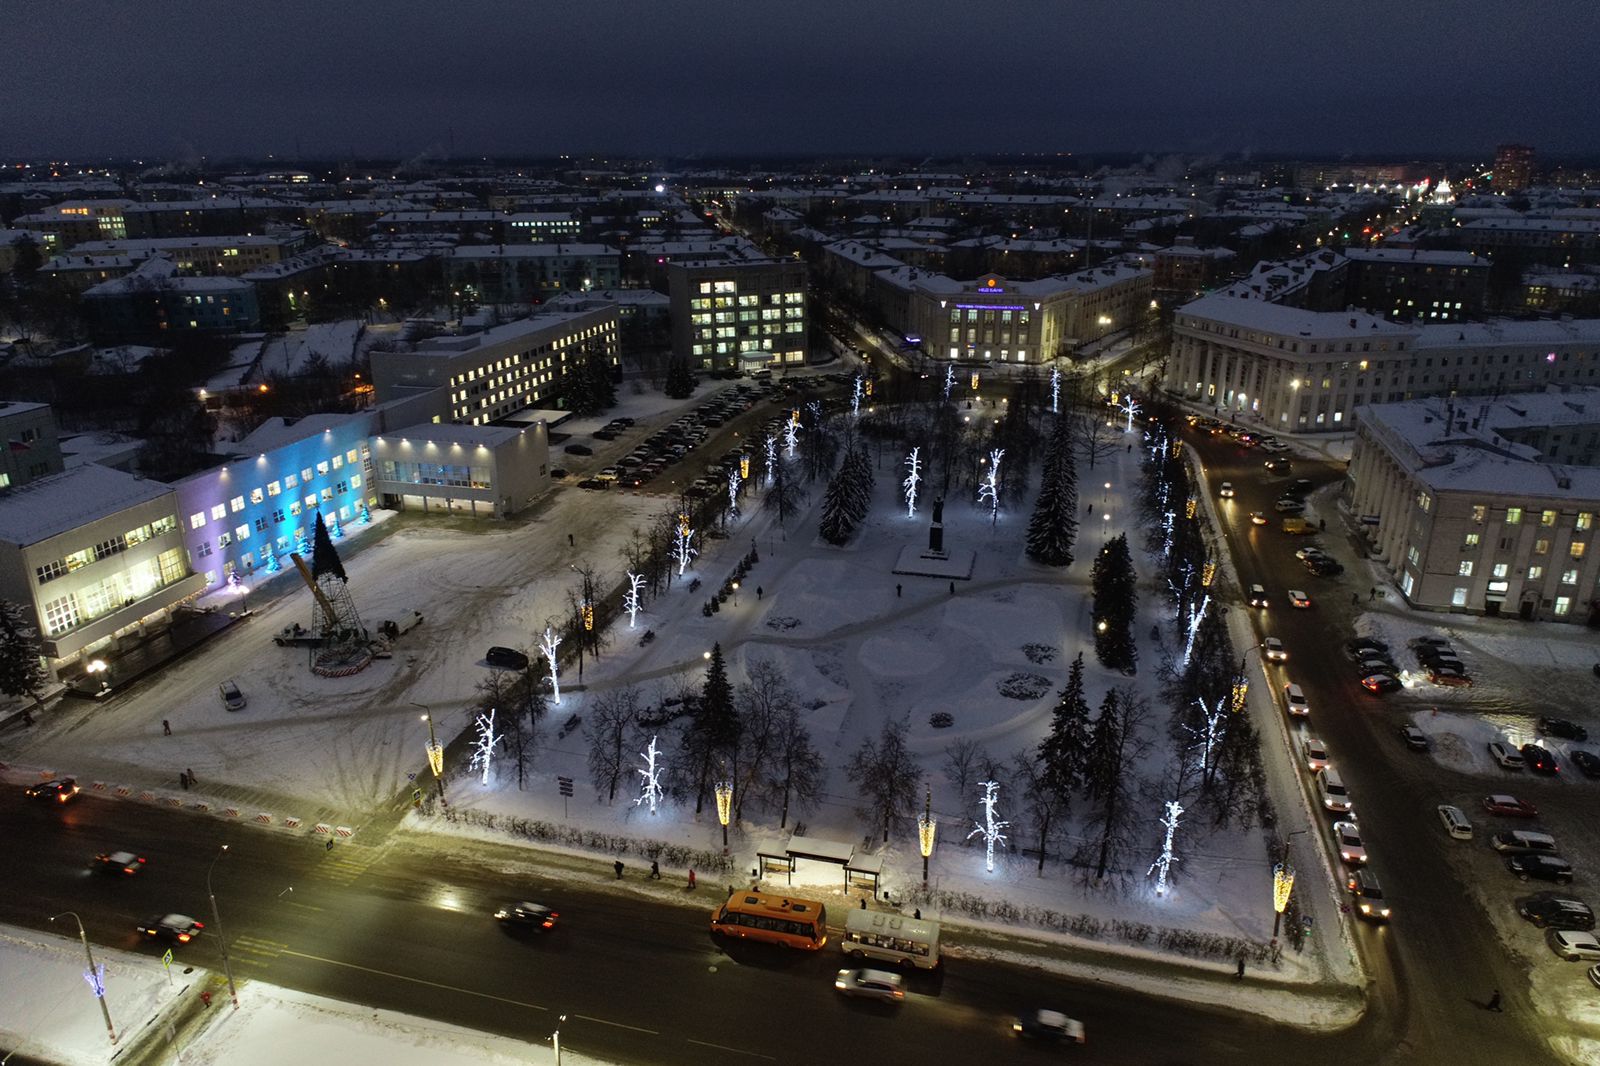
x: 640, y: 980
x: 1439, y: 959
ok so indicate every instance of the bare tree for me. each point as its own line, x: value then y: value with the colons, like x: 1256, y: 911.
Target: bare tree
x: 613, y: 717
x: 764, y: 701
x: 785, y: 496
x: 1097, y: 439
x: 961, y: 761
x: 886, y: 776
x: 796, y: 775
x: 1041, y: 802
x: 1117, y: 743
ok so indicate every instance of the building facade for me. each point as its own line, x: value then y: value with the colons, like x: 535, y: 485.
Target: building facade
x: 1466, y: 518
x: 477, y: 470
x: 1513, y: 167
x: 739, y: 313
x: 32, y: 444
x: 528, y: 273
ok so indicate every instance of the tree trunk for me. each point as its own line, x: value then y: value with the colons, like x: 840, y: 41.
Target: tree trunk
x: 1044, y: 834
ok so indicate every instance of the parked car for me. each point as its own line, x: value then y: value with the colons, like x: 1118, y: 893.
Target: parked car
x: 1315, y: 753
x: 578, y: 449
x: 870, y: 984
x: 1380, y: 683
x: 1419, y: 642
x: 532, y: 916
x: 61, y: 790
x: 1505, y: 755
x: 506, y: 658
x: 1359, y: 644
x: 1455, y: 822
x: 1500, y: 803
x: 1289, y: 505
x: 1414, y: 738
x: 1325, y: 567
x: 1347, y: 837
x: 1587, y: 762
x: 1556, y: 910
x: 604, y: 434
x: 1574, y: 945
x: 1301, y: 487
x: 178, y: 928
x: 1560, y: 727
x: 1335, y: 796
x: 1540, y: 760
x: 1449, y: 676
x: 1523, y: 842
x: 593, y: 483
x: 1369, y: 899
x: 232, y: 698
x: 1049, y: 1025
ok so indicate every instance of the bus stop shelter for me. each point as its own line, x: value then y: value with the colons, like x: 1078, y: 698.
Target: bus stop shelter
x: 835, y: 852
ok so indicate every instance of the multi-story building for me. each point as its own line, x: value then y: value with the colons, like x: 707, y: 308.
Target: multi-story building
x: 1485, y: 507
x: 154, y: 301
x: 454, y: 469
x: 77, y: 221
x: 528, y: 273
x: 502, y: 370
x: 738, y: 313
x: 96, y: 554
x: 229, y: 256
x: 219, y: 216
x: 1294, y: 370
x: 1418, y: 284
x: 1563, y: 293
x: 32, y: 447
x: 543, y: 226
x: 1513, y: 167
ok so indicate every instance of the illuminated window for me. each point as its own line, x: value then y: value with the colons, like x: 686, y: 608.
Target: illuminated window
x: 1465, y: 570
x: 1471, y: 541
x: 1547, y: 518
x: 1458, y: 598
x: 1479, y: 512
x: 241, y: 533
x: 322, y: 468
x: 1513, y: 516
x: 290, y: 481
x: 1541, y: 546
x: 1585, y: 520
x: 1535, y: 573
x: 1575, y: 549
x: 305, y: 475
x: 197, y: 520
x: 1569, y: 577
x: 256, y: 496
x: 219, y: 512
x: 273, y: 488
x: 1500, y: 569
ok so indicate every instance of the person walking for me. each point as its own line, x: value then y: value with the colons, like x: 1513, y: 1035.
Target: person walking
x: 863, y: 902
x: 1374, y: 594
x: 183, y: 779
x: 897, y: 592
x: 917, y: 914
x: 1494, y: 1002
x: 1239, y: 973
x: 617, y: 866
x: 570, y: 542
x: 166, y: 728
x: 952, y: 588
x: 1355, y: 599
x: 758, y: 592
x: 655, y: 870
x: 692, y: 881
x: 191, y: 778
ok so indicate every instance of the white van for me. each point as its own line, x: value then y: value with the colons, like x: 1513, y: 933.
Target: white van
x: 1455, y: 822
x: 891, y: 937
x: 1335, y: 796
x: 1523, y: 842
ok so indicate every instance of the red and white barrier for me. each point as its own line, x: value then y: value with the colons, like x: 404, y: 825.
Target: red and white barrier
x: 344, y: 830
x: 264, y: 818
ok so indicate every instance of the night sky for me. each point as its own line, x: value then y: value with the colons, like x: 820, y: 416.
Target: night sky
x: 319, y: 78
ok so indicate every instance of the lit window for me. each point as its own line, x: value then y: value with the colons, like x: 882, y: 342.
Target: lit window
x: 1563, y: 604
x: 1458, y: 598
x: 241, y: 533
x: 1471, y: 541
x: 1535, y: 573
x: 1500, y: 569
x: 1547, y: 518
x: 220, y: 511
x: 1513, y: 515
x: 197, y: 520
x: 1569, y: 577
x: 256, y: 496
x: 273, y: 488
x: 1541, y: 546
x: 1465, y: 570
x: 1585, y: 520
x: 1479, y: 512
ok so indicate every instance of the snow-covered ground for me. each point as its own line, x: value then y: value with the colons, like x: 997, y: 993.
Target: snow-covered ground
x: 48, y: 1012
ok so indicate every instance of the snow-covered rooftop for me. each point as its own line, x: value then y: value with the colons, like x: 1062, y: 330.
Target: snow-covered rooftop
x: 61, y: 502
x: 1294, y: 321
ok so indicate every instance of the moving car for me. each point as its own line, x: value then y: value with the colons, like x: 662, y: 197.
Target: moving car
x: 1288, y: 505
x: 1274, y: 650
x: 1414, y: 738
x: 121, y: 863
x: 1296, y: 700
x: 1049, y: 1025
x: 506, y: 658
x: 232, y: 698
x: 870, y: 984
x: 1257, y: 596
x: 1348, y: 837
x: 61, y: 790
x: 178, y: 928
x: 1369, y: 898
x: 1560, y: 727
x: 1257, y: 518
x: 1227, y: 490
x: 1500, y: 803
x: 1298, y: 598
x: 1360, y: 644
x: 1335, y: 796
x: 1574, y: 945
x: 1380, y: 683
x: 1505, y: 755
x: 1316, y: 755
x: 1556, y: 910
x: 1544, y: 867
x: 1540, y: 760
x: 1322, y: 566
x: 526, y: 915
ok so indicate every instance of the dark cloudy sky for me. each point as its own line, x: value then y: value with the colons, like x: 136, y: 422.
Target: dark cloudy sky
x: 166, y: 78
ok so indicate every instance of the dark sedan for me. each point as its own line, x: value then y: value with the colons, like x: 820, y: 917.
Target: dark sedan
x: 1540, y: 760
x: 1560, y: 727
x: 61, y: 790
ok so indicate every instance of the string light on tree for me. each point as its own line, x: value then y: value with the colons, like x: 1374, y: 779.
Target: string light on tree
x: 974, y: 381
x: 1197, y: 614
x: 735, y: 480
x: 1282, y: 886
x: 855, y: 396
x: 549, y: 645
x: 483, y: 746
x: 989, y: 488
x: 683, y: 548
x: 914, y: 466
x: 989, y: 828
x: 1208, y: 735
x: 1190, y: 508
x: 1130, y: 407
x: 650, y: 787
x: 630, y: 599
x: 949, y: 380
x: 927, y: 828
x: 791, y: 438
x: 1163, y: 863
x: 1055, y: 390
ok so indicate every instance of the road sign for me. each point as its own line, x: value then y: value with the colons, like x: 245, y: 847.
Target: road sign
x: 565, y: 784
x: 166, y: 959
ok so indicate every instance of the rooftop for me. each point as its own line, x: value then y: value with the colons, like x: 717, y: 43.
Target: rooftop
x: 62, y: 502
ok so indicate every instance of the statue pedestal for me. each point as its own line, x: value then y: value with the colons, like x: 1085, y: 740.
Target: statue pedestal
x: 950, y: 565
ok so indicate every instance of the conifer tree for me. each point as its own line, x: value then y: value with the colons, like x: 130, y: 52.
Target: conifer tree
x: 1065, y: 750
x: 1115, y: 603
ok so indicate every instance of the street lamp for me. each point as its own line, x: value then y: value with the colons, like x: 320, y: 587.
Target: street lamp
x: 95, y: 975
x: 927, y: 825
x: 724, y: 790
x: 736, y: 594
x: 1106, y: 496
x: 555, y: 1038
x: 1282, y: 883
x: 97, y: 669
x: 435, y: 754
x: 216, y: 919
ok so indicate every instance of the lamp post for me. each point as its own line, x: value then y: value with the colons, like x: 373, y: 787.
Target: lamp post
x: 95, y: 975
x: 736, y: 594
x: 435, y: 754
x: 724, y: 790
x: 97, y: 668
x: 1282, y: 883
x: 927, y: 825
x: 216, y: 918
x: 555, y: 1038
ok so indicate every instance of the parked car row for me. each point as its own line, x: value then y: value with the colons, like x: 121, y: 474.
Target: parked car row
x: 1439, y: 661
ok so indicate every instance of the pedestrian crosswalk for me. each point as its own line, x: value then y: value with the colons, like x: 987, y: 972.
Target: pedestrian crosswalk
x: 253, y: 951
x: 345, y: 863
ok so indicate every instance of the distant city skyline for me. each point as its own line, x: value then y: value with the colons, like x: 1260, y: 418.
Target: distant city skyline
x: 305, y: 80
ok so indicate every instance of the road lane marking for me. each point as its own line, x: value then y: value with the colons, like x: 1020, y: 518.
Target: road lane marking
x: 423, y: 981
x: 736, y: 1051
x: 618, y: 1025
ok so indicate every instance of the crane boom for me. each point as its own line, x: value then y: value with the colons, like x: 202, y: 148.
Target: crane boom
x: 328, y: 612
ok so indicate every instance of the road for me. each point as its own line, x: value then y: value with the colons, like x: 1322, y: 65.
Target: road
x: 1438, y: 961
x: 640, y: 978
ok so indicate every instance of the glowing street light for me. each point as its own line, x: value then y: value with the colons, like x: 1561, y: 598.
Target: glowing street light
x: 1282, y: 886
x: 724, y: 790
x: 435, y: 754
x: 216, y: 918
x: 95, y: 975
x: 927, y: 826
x: 736, y: 594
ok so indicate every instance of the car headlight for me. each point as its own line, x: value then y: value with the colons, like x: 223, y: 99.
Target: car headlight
x: 1366, y: 908
x: 1016, y: 1027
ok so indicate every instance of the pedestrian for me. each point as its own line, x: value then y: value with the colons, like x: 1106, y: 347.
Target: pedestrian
x: 1322, y: 524
x: 191, y: 777
x: 1355, y: 599
x: 27, y: 718
x: 655, y: 870
x: 691, y: 880
x: 1089, y: 509
x: 758, y: 592
x: 570, y: 542
x: 1374, y: 594
x: 863, y: 902
x: 183, y: 779
x: 166, y: 728
x: 917, y: 914
x: 617, y: 866
x: 897, y: 592
x: 952, y: 588
x: 1494, y: 1002
x: 1239, y: 973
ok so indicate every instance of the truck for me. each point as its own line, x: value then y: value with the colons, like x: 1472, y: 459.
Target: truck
x: 404, y: 623
x: 1298, y: 526
x: 297, y: 636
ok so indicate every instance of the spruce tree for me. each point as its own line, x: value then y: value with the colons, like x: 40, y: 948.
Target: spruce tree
x: 838, y: 512
x: 1065, y: 750
x: 1115, y: 602
x: 1054, y: 524
x: 680, y: 382
x: 1103, y: 765
x: 21, y: 673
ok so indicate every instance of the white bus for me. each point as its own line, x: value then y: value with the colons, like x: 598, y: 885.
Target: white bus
x: 891, y: 937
